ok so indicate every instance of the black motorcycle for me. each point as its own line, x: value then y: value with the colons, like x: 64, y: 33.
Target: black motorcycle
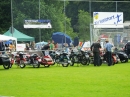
x: 62, y: 58
x: 79, y: 57
x: 122, y: 56
x: 5, y: 61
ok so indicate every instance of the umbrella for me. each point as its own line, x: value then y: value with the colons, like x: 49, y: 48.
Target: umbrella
x: 60, y: 37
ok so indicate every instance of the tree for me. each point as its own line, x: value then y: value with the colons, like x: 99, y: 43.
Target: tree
x: 83, y: 25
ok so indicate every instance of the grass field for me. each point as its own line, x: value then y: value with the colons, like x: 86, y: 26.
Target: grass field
x: 58, y: 81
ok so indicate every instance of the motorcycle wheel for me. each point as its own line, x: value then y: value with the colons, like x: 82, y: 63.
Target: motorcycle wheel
x: 65, y: 64
x: 46, y: 65
x: 22, y: 64
x: 6, y: 65
x: 36, y: 64
x: 72, y: 60
x: 84, y: 61
x: 11, y: 65
x: 113, y: 63
x: 124, y: 61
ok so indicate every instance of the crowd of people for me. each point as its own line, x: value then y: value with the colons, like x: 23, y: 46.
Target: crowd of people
x: 7, y: 46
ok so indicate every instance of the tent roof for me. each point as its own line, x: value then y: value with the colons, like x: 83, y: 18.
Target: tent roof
x: 19, y: 35
x: 4, y: 37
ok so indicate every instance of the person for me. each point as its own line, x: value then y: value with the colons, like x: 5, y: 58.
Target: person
x: 12, y: 47
x: 52, y: 46
x: 27, y: 46
x: 45, y: 47
x: 95, y: 47
x: 56, y: 46
x: 67, y: 50
x: 108, y: 49
x: 127, y: 48
x: 32, y: 45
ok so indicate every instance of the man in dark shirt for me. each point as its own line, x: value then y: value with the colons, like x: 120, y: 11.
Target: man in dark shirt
x: 127, y: 48
x: 95, y: 48
x: 45, y: 47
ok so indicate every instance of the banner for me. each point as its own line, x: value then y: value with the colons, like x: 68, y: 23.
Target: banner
x: 37, y: 24
x: 108, y: 19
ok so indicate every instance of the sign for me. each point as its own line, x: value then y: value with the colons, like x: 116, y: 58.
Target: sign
x: 21, y: 47
x: 86, y: 46
x: 108, y: 19
x: 37, y: 24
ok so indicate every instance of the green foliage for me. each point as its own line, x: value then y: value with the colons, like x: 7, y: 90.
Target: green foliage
x: 83, y: 25
x: 73, y: 20
x: 5, y: 15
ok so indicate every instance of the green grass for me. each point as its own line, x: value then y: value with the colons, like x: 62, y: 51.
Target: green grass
x: 58, y: 81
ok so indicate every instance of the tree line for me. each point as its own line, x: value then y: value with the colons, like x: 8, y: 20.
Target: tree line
x: 70, y: 17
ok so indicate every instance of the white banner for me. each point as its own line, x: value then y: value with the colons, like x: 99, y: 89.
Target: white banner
x: 21, y: 47
x: 108, y: 19
x: 37, y: 24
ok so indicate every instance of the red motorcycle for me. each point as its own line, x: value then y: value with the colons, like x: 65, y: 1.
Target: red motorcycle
x: 20, y: 59
x: 46, y: 61
x: 114, y: 58
x: 33, y: 60
x: 12, y: 60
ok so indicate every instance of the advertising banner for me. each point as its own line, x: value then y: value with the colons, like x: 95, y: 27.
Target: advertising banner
x: 108, y: 19
x: 21, y: 47
x: 37, y: 23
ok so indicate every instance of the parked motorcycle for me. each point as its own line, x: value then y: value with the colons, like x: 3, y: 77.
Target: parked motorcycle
x: 4, y: 60
x: 79, y: 57
x: 20, y: 59
x: 115, y: 58
x: 46, y: 61
x: 62, y: 58
x: 122, y: 56
x: 33, y: 60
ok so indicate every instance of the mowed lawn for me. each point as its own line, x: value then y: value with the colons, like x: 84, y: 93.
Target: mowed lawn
x: 58, y: 81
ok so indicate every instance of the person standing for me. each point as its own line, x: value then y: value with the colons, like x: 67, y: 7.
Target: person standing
x: 127, y: 48
x: 108, y: 49
x: 52, y: 46
x: 95, y: 47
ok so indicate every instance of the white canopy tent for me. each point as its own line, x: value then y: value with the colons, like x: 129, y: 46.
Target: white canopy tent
x: 6, y: 38
x: 3, y: 37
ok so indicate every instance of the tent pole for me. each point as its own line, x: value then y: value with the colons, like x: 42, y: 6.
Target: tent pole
x: 39, y: 28
x: 11, y: 20
x: 65, y: 20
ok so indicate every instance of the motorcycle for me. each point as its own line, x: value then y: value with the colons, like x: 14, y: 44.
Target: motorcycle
x: 46, y: 61
x: 62, y: 58
x: 79, y: 57
x: 122, y: 56
x: 4, y: 60
x: 33, y: 60
x: 115, y: 58
x: 20, y: 59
